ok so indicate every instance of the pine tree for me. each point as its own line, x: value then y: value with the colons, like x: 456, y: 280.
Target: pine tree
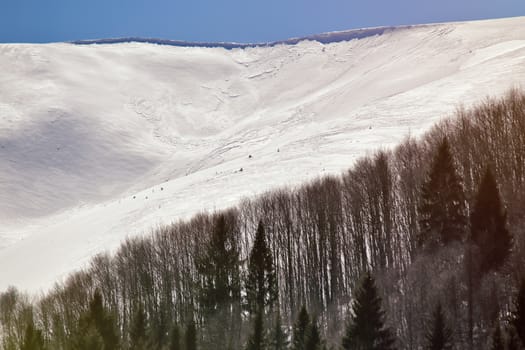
x: 219, y: 294
x: 366, y: 329
x: 300, y: 330
x: 158, y: 331
x: 175, y: 338
x: 278, y: 337
x: 313, y: 337
x: 104, y: 322
x: 439, y: 335
x: 33, y: 338
x: 442, y: 210
x: 497, y: 340
x: 89, y: 339
x: 219, y: 268
x: 261, y: 284
x: 514, y: 342
x: 518, y: 314
x: 97, y: 329
x: 256, y: 340
x: 138, y: 330
x: 488, y: 225
x: 190, y: 337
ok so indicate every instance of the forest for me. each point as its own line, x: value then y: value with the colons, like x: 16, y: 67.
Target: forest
x: 417, y: 247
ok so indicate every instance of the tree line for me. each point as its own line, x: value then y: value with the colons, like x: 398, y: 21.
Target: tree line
x: 416, y: 247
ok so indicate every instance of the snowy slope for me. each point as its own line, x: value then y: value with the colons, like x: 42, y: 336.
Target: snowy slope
x: 99, y: 142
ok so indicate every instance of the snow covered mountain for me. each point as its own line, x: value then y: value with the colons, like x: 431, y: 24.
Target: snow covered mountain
x: 103, y: 141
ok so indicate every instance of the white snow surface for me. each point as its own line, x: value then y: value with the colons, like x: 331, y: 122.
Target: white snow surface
x: 107, y: 141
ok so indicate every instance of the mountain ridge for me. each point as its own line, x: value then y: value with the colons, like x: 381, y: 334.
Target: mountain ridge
x: 104, y: 142
x: 323, y: 38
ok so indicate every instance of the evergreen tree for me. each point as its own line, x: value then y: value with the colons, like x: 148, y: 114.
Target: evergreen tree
x: 175, y: 339
x: 313, y: 337
x: 104, y: 322
x: 497, y: 340
x: 158, y: 331
x: 256, y: 340
x: 366, y: 329
x: 219, y: 268
x: 300, y: 330
x: 89, y: 339
x: 219, y: 294
x: 261, y: 284
x: 138, y: 330
x: 33, y: 338
x: 97, y: 330
x: 442, y: 209
x: 518, y: 314
x: 190, y: 337
x: 514, y: 342
x: 488, y: 225
x: 278, y: 337
x: 439, y: 335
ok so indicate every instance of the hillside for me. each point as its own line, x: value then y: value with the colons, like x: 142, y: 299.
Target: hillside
x: 108, y: 140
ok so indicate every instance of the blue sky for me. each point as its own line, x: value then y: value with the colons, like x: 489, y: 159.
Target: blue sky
x: 227, y: 20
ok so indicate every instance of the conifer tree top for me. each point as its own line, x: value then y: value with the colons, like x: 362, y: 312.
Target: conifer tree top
x: 442, y: 209
x: 488, y: 225
x: 366, y: 328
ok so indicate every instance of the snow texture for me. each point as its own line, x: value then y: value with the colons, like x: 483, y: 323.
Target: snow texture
x: 101, y: 142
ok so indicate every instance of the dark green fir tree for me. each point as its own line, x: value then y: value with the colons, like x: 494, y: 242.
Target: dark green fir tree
x: 439, y: 335
x: 137, y: 335
x: 256, y: 340
x: 313, y: 337
x: 488, y: 225
x: 175, y: 338
x: 442, y: 209
x: 190, y: 336
x: 261, y: 282
x: 366, y: 329
x: 219, y: 294
x: 33, y: 338
x: 300, y: 330
x: 497, y: 340
x: 513, y: 342
x: 278, y: 336
x: 97, y: 328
